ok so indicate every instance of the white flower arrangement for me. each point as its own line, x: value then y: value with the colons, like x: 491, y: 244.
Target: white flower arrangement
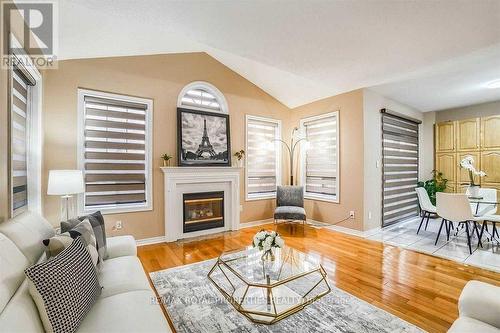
x: 467, y: 163
x: 266, y: 240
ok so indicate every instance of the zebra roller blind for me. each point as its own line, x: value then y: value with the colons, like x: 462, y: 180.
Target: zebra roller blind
x: 400, y: 168
x: 115, y: 161
x: 262, y: 156
x: 19, y: 141
x: 321, y: 157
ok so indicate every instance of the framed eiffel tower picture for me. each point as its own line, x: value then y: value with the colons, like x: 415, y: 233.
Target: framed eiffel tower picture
x: 203, y: 138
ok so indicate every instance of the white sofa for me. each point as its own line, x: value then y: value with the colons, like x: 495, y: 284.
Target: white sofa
x: 127, y: 302
x: 478, y: 308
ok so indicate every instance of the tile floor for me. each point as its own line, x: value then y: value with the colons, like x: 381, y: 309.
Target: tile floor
x: 404, y: 235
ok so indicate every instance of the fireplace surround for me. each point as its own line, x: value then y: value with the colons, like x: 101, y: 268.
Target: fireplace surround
x: 179, y: 181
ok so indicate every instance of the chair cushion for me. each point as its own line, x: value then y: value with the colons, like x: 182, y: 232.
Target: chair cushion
x: 120, y: 246
x: 135, y: 311
x: 122, y: 274
x: 64, y: 288
x: 466, y: 324
x: 289, y: 213
x: 290, y: 196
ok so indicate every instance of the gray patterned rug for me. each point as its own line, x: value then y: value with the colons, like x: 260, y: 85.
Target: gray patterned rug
x: 195, y: 305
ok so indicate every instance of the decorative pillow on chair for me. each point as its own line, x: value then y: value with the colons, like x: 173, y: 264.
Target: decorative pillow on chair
x: 97, y: 222
x: 64, y: 288
x: 58, y: 243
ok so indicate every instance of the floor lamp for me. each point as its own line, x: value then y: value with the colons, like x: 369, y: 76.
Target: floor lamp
x: 291, y: 149
x: 66, y: 183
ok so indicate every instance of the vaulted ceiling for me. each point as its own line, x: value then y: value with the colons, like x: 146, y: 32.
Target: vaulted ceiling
x: 420, y: 52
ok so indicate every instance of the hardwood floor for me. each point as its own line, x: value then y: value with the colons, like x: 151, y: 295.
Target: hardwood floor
x: 419, y: 288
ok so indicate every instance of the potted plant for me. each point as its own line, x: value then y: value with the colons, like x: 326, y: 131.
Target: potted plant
x: 467, y: 163
x: 239, y: 157
x: 266, y: 241
x: 434, y: 185
x: 166, y: 159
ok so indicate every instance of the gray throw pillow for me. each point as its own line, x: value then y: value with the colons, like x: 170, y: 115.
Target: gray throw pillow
x: 97, y: 221
x: 58, y: 243
x: 64, y: 288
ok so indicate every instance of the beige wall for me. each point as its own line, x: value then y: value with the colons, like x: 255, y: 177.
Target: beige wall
x: 161, y: 78
x: 473, y: 111
x: 350, y: 107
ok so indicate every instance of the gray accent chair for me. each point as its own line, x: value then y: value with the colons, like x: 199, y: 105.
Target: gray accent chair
x: 290, y: 204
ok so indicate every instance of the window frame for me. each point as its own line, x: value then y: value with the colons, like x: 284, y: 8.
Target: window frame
x: 207, y: 87
x: 122, y: 208
x: 303, y: 154
x: 267, y: 196
x: 34, y: 130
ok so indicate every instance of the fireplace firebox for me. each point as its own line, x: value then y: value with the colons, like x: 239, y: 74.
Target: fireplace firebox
x: 203, y: 211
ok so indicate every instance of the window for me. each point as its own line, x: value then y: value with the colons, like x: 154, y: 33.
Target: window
x: 24, y: 132
x: 202, y: 96
x: 115, y: 152
x: 320, y: 162
x: 262, y: 157
x: 21, y: 84
x: 400, y: 168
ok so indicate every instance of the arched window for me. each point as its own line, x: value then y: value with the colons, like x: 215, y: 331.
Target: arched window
x: 203, y: 96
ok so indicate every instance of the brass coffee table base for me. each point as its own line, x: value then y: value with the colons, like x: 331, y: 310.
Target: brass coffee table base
x: 269, y: 291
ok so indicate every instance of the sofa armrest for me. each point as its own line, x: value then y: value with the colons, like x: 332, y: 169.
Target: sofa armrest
x: 121, y: 246
x: 480, y: 301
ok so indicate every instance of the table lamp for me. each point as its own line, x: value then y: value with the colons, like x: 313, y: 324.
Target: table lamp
x: 66, y: 183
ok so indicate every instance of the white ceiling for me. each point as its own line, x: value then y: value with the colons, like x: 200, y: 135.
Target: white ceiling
x: 427, y: 54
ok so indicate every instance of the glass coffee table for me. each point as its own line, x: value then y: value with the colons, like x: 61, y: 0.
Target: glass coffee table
x: 266, y: 289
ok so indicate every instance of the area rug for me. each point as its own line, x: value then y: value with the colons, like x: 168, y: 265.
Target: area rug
x: 195, y: 305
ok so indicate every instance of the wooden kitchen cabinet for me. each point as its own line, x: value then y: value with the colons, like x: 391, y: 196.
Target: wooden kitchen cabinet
x: 445, y: 136
x: 468, y: 134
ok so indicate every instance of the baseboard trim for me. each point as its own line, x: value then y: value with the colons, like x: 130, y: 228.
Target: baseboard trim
x: 149, y: 241
x: 161, y: 239
x: 255, y: 223
x: 348, y: 231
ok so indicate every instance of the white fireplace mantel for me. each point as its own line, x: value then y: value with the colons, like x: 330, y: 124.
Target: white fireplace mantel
x: 180, y: 180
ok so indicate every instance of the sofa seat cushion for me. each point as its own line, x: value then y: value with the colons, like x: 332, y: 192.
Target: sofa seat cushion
x: 466, y: 324
x: 120, y: 246
x: 12, y: 265
x: 135, y: 311
x: 21, y: 314
x: 122, y: 274
x: 289, y: 213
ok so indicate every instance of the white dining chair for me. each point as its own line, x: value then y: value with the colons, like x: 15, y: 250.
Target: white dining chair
x: 426, y: 206
x: 493, y: 219
x: 455, y: 208
x: 489, y: 196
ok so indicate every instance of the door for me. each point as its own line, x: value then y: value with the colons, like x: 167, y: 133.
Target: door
x: 445, y: 136
x: 468, y: 137
x: 400, y: 169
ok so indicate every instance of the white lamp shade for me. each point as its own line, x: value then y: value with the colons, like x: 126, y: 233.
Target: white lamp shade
x: 65, y: 182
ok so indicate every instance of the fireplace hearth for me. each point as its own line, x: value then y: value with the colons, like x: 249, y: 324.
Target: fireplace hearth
x: 203, y: 211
